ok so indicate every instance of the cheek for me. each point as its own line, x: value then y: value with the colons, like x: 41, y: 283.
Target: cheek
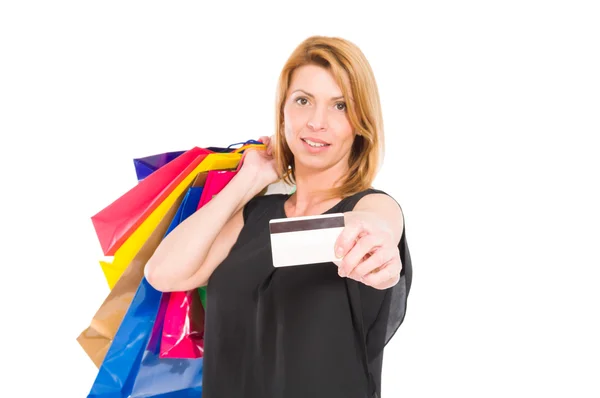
x: 294, y: 122
x: 343, y: 128
x: 294, y: 118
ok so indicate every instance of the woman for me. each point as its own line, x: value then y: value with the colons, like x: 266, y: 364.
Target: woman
x: 312, y: 330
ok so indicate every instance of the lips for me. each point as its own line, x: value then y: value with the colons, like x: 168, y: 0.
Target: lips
x: 311, y: 140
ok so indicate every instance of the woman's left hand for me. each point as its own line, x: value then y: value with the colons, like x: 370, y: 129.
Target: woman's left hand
x: 368, y: 251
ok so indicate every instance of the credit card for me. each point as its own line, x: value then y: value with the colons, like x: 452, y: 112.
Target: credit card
x: 305, y: 240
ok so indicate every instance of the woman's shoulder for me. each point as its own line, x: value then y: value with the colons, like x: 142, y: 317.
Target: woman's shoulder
x: 261, y: 204
x: 370, y: 191
x: 350, y: 202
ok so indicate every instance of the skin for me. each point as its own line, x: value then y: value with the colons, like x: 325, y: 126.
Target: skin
x: 315, y: 108
x: 368, y: 245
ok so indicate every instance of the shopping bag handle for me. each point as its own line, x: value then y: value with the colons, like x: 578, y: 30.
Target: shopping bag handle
x: 244, y: 144
x: 241, y: 149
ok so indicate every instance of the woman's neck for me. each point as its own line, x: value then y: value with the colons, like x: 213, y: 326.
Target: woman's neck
x: 312, y: 190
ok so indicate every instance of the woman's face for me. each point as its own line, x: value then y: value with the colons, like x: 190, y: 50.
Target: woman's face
x: 316, y: 124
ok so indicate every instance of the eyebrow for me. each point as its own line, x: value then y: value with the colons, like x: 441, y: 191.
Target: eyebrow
x: 310, y: 95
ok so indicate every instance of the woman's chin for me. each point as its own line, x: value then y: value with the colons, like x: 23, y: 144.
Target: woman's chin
x: 312, y: 164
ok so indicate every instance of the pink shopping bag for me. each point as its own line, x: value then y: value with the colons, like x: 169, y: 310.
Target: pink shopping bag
x: 183, y: 326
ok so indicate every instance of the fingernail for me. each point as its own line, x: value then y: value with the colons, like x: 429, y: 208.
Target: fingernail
x: 338, y: 252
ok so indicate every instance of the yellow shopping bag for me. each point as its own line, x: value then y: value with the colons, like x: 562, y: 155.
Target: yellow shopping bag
x: 98, y: 336
x: 125, y: 254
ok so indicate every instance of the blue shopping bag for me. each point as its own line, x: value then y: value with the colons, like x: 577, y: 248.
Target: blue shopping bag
x: 149, y: 164
x: 131, y: 366
x: 168, y: 377
x: 118, y: 370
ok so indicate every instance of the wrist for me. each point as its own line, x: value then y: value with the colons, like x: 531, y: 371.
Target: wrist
x: 253, y: 179
x: 252, y: 183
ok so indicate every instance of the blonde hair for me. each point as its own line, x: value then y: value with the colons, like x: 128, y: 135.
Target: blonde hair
x: 344, y: 60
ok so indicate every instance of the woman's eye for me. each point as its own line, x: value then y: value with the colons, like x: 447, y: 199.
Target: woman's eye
x: 301, y: 101
x: 342, y: 104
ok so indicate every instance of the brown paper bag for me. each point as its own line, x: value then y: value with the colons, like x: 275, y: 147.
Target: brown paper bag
x: 97, y: 338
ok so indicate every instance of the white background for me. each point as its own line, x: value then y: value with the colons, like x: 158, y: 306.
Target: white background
x: 491, y: 110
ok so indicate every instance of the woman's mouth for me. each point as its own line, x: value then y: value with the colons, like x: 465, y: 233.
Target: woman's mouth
x: 315, y: 143
x: 314, y: 146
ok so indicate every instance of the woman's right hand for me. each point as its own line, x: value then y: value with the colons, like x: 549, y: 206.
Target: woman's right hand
x: 261, y: 163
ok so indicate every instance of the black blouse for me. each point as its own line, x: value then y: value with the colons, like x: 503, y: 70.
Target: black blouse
x: 299, y: 331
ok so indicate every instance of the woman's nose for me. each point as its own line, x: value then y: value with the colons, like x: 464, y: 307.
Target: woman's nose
x: 318, y: 119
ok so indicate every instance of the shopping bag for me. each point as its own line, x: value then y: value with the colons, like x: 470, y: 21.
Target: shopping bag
x: 128, y: 250
x: 183, y: 326
x: 216, y: 180
x: 98, y: 336
x: 119, y: 368
x: 113, y: 270
x: 183, y: 329
x: 117, y: 372
x: 188, y: 207
x: 167, y: 378
x: 202, y: 294
x: 147, y: 165
x: 111, y: 274
x: 117, y: 222
x: 129, y: 369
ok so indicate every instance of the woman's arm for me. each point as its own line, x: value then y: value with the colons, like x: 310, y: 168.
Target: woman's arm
x: 369, y: 242
x: 189, y: 254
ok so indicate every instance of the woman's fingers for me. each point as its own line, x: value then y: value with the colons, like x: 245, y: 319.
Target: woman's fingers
x: 268, y: 143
